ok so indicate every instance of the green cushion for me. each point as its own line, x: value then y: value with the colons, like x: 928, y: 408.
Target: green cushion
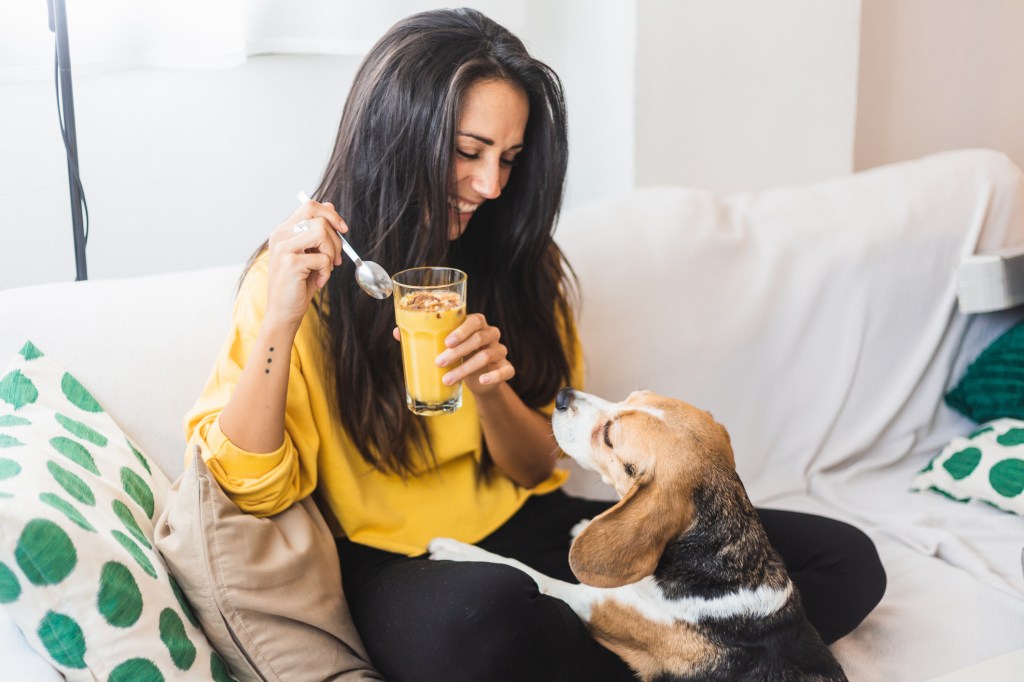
x: 78, y: 571
x: 993, y: 385
x: 987, y: 466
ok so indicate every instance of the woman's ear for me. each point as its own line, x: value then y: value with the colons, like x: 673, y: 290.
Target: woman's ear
x: 625, y: 543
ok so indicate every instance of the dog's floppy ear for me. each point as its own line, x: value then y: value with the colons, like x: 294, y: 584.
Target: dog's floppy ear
x: 625, y: 543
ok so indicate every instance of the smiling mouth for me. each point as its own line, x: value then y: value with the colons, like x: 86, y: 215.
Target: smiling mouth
x: 463, y: 207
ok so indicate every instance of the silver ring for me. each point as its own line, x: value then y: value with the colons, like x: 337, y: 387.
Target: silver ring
x: 301, y: 226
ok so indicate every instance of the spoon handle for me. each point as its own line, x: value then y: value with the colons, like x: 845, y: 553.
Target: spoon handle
x: 345, y: 246
x: 349, y: 251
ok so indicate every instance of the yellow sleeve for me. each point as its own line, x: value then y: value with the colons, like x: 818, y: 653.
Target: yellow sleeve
x: 259, y: 483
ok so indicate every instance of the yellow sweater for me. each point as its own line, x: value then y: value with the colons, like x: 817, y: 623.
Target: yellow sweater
x: 374, y: 508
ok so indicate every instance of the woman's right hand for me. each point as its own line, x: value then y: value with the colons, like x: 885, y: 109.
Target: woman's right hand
x: 301, y: 261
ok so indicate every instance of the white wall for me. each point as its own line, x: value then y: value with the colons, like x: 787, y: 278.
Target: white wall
x: 591, y: 45
x: 182, y: 168
x: 740, y: 94
x: 940, y: 74
x: 190, y: 168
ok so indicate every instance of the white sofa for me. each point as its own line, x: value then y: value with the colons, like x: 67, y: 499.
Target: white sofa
x: 818, y: 323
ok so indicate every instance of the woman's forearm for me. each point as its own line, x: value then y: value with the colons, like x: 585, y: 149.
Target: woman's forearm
x: 518, y: 437
x: 253, y: 418
x: 303, y: 252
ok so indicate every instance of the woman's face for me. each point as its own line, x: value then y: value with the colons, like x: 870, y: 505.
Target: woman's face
x: 492, y: 124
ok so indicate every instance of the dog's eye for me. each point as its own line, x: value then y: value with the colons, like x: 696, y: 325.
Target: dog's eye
x: 607, y: 440
x: 630, y: 469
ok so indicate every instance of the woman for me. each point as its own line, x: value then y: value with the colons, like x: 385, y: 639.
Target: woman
x: 451, y: 151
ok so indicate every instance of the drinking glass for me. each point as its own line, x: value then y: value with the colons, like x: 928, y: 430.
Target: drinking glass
x: 430, y: 303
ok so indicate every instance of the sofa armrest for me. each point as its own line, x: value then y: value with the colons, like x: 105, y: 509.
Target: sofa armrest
x: 991, y: 281
x: 143, y: 346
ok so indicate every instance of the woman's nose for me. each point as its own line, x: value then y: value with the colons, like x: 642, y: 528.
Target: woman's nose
x: 487, y: 182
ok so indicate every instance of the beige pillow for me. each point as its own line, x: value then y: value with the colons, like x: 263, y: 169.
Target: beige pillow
x: 267, y: 591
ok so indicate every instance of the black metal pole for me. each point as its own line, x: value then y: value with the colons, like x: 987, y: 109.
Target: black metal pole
x: 59, y: 25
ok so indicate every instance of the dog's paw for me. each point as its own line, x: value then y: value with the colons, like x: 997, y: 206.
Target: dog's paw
x: 447, y: 549
x: 575, y: 531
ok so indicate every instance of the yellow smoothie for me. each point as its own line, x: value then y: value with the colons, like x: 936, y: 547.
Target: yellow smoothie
x: 425, y: 319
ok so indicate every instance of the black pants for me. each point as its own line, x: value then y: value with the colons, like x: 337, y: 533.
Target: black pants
x: 427, y: 621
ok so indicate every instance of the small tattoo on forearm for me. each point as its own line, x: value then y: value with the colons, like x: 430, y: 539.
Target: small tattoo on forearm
x: 269, y: 360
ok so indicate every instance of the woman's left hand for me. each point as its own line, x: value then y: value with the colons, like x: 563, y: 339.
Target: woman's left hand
x: 485, y: 364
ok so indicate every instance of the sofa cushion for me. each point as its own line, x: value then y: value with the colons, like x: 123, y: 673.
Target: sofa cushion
x: 987, y: 466
x: 935, y: 617
x: 993, y: 385
x: 266, y: 590
x: 78, y: 572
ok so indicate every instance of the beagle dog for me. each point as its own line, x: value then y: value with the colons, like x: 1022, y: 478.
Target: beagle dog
x: 678, y: 578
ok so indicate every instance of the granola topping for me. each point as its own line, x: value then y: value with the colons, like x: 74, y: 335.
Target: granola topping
x: 430, y: 301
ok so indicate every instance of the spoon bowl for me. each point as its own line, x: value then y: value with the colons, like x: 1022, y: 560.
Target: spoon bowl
x: 371, y: 277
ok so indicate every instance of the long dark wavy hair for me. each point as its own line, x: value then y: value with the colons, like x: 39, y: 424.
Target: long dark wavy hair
x: 390, y: 176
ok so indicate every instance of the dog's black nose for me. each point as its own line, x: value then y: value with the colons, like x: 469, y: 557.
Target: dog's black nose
x: 564, y: 398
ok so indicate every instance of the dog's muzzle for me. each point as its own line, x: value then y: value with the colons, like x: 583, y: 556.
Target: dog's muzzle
x: 569, y: 427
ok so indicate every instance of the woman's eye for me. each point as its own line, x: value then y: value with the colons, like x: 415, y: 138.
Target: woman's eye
x: 467, y: 155
x: 508, y: 162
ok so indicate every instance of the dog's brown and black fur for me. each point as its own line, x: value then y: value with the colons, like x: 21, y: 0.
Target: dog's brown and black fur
x: 678, y: 578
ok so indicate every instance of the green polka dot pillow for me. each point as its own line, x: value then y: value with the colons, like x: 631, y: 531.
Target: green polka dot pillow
x: 987, y: 466
x: 78, y: 572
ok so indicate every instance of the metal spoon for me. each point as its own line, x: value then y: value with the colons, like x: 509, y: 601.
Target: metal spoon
x: 371, y: 278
